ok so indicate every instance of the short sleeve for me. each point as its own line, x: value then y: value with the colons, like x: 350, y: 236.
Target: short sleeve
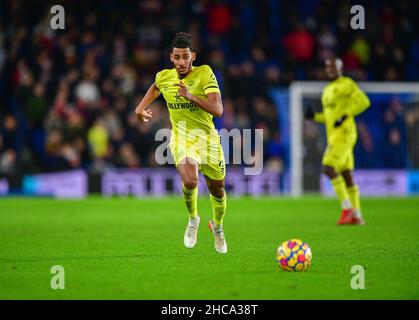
x: 209, y: 81
x: 157, y: 80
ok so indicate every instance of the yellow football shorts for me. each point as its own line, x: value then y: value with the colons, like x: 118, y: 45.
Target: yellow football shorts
x: 339, y: 155
x: 210, y: 157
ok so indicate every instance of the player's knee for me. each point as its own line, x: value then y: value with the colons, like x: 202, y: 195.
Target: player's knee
x: 330, y: 172
x: 217, y: 191
x: 190, y: 182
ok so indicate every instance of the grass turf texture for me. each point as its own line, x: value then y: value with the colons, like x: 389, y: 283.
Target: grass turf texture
x: 133, y: 249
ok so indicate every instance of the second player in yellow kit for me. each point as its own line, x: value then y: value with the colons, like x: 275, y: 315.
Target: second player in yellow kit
x: 193, y: 97
x: 342, y: 100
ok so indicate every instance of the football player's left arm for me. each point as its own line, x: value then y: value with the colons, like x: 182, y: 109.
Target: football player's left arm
x: 359, y: 102
x: 212, y: 104
x: 309, y: 114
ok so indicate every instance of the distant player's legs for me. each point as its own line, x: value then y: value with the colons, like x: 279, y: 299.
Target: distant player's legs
x: 338, y: 184
x: 338, y: 155
x: 354, y: 195
x: 188, y: 170
x: 218, y: 197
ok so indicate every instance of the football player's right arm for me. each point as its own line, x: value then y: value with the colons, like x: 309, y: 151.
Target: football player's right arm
x: 143, y: 114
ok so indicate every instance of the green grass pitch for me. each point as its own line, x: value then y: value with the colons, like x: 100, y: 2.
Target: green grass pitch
x: 133, y: 249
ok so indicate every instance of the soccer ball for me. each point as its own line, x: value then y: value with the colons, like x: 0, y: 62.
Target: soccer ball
x: 294, y: 255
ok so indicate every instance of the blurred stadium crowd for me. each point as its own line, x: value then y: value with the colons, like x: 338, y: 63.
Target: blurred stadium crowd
x: 67, y: 96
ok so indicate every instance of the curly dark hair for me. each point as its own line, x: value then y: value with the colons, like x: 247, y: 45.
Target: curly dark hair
x: 182, y: 40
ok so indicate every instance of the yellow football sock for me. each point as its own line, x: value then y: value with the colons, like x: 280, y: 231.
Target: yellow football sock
x: 339, y: 186
x: 219, y: 206
x: 354, y: 197
x: 191, y: 200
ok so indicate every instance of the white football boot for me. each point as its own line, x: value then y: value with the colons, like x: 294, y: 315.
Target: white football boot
x: 219, y: 239
x: 191, y: 233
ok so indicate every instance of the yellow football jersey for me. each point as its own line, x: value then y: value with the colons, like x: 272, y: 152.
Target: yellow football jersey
x: 185, y: 116
x: 342, y: 97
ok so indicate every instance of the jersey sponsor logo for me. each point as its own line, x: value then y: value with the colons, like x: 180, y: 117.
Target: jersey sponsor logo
x: 183, y: 105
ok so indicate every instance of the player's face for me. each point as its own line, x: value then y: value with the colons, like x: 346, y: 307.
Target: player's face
x: 182, y: 58
x: 330, y: 68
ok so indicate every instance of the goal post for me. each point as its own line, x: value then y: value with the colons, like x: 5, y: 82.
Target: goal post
x: 299, y: 90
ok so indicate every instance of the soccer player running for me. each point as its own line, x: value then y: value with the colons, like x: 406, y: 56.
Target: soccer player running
x: 342, y: 100
x: 193, y: 97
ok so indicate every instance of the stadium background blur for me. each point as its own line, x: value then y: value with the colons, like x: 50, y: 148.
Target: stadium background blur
x: 67, y: 96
